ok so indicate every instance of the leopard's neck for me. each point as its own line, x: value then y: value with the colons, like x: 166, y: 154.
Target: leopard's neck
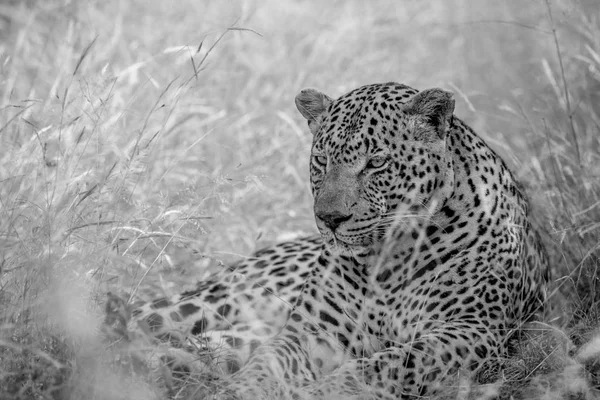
x: 481, y: 178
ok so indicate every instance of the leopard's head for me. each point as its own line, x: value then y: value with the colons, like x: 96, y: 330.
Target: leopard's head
x: 378, y: 156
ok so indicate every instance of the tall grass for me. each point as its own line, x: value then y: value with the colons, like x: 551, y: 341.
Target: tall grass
x: 144, y: 143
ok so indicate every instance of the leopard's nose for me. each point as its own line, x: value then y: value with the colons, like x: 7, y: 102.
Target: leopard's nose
x: 334, y: 219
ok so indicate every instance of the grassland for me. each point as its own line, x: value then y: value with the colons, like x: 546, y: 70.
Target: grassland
x: 144, y: 142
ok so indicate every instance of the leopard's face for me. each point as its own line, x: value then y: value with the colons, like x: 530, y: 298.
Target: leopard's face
x: 378, y: 156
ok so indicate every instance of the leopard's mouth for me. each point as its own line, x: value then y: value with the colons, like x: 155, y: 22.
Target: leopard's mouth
x: 334, y: 241
x: 354, y: 238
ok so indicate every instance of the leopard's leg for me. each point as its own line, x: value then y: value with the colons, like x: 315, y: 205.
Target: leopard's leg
x: 287, y: 366
x: 298, y: 355
x: 278, y: 369
x: 226, y: 351
x: 415, y: 369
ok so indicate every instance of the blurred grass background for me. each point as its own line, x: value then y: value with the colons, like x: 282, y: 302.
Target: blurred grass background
x: 144, y: 142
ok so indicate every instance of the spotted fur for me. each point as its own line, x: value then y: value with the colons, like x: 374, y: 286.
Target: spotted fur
x: 427, y: 261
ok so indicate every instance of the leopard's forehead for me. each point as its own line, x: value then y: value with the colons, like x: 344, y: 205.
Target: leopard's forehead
x: 353, y: 120
x: 389, y: 93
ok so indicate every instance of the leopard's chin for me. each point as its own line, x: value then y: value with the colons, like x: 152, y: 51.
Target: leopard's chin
x: 359, y: 246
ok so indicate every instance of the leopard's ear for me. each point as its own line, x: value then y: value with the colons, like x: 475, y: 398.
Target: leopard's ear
x: 312, y: 103
x: 436, y: 105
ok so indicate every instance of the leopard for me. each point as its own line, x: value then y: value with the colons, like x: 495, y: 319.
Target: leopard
x: 426, y: 263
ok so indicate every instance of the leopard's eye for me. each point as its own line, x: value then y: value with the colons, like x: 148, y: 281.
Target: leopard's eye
x: 377, y: 162
x: 320, y: 160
